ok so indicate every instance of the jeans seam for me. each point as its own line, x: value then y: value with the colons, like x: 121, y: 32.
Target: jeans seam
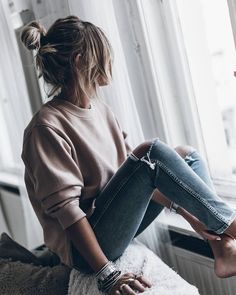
x: 125, y: 180
x: 189, y: 190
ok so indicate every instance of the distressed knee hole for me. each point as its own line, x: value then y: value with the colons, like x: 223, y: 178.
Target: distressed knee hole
x: 142, y: 149
x: 184, y: 150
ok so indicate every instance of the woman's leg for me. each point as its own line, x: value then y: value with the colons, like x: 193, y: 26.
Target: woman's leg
x: 224, y: 250
x: 196, y: 163
x: 178, y: 182
x: 122, y: 204
x: 120, y: 208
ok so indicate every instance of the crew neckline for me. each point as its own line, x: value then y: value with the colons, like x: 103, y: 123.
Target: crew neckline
x: 74, y: 109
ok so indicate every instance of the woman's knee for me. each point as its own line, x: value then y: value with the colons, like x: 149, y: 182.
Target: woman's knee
x: 184, y: 150
x: 142, y: 149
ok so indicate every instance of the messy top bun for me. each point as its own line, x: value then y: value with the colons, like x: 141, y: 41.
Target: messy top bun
x: 31, y: 35
x: 72, y: 55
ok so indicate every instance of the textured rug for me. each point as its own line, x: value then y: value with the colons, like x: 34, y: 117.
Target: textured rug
x: 137, y: 258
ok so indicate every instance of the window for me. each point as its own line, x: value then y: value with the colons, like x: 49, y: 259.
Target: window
x: 210, y: 51
x: 189, y: 59
x: 223, y: 60
x: 220, y: 51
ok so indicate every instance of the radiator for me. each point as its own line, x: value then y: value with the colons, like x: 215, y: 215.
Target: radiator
x: 199, y: 271
x: 13, y: 211
x: 19, y: 218
x: 189, y: 255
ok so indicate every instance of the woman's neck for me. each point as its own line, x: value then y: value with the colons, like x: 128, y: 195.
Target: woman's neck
x: 82, y: 102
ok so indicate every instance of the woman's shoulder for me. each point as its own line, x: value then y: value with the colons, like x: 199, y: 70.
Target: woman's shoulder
x: 46, y: 116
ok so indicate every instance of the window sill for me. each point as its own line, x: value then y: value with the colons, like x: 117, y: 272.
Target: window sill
x: 10, y: 179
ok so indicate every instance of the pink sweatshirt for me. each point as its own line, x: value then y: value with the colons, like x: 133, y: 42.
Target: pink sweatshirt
x: 69, y: 153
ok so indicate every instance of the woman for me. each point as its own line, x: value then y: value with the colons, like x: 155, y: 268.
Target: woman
x: 92, y: 194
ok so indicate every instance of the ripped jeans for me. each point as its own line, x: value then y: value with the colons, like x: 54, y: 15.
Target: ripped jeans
x: 124, y: 207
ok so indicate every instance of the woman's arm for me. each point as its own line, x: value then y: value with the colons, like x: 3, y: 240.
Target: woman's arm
x: 85, y: 241
x: 196, y: 224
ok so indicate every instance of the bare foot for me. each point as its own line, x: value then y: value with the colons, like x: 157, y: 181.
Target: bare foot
x: 225, y: 256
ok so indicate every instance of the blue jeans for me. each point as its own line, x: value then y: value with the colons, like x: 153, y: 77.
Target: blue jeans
x: 124, y: 207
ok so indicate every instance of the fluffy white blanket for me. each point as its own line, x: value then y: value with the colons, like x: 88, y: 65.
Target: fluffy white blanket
x: 137, y: 258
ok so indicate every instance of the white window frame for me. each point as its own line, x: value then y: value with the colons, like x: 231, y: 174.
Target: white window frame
x: 160, y: 48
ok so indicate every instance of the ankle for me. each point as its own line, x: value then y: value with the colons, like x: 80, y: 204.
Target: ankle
x: 231, y: 230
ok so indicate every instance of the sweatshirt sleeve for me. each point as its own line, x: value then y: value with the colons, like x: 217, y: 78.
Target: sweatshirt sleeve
x: 56, y: 177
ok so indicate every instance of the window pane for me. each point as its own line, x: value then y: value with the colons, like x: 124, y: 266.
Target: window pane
x: 223, y: 60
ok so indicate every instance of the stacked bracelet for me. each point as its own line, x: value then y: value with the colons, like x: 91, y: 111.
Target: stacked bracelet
x: 108, y: 268
x: 108, y: 283
x: 107, y: 276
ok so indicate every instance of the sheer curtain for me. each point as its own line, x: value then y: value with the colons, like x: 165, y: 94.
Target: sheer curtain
x: 120, y: 97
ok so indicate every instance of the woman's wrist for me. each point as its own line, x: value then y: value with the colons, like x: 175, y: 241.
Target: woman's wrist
x: 105, y: 271
x: 107, y: 276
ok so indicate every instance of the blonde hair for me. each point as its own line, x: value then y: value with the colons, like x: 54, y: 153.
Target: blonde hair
x: 58, y: 48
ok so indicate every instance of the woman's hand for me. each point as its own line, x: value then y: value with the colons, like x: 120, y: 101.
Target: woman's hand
x: 199, y: 227
x: 129, y: 284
